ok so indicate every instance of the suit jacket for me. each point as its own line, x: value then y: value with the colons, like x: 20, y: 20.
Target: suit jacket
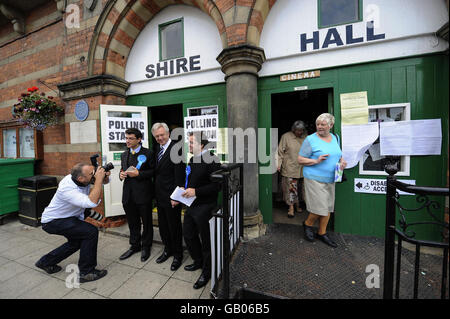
x: 206, y: 191
x: 138, y: 189
x: 167, y: 175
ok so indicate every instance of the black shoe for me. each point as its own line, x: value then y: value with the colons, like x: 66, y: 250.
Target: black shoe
x: 145, y: 254
x: 49, y: 269
x: 128, y: 254
x: 176, y: 263
x: 202, y: 281
x: 93, y: 275
x: 193, y: 267
x: 165, y: 255
x: 327, y: 240
x: 309, y: 232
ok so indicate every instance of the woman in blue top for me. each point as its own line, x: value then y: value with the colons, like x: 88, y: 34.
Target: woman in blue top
x: 319, y: 155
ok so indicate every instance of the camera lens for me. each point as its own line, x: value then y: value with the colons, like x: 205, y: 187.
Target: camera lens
x: 109, y: 166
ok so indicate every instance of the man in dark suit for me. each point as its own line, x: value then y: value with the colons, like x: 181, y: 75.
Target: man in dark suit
x: 196, y: 219
x: 136, y: 172
x: 167, y: 176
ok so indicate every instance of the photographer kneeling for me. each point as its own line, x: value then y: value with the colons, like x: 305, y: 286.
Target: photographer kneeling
x: 65, y: 216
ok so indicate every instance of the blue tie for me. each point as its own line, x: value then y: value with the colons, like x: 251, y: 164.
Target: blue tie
x: 160, y: 154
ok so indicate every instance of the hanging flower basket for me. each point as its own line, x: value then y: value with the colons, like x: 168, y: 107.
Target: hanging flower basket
x: 36, y: 110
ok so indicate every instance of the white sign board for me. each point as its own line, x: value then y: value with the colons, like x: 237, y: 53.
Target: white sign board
x: 376, y: 186
x: 116, y: 127
x: 202, y: 123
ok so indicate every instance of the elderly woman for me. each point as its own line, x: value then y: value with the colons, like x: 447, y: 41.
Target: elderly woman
x: 288, y: 166
x: 319, y: 155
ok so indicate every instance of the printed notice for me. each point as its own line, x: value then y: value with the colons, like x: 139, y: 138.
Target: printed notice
x: 356, y: 140
x: 417, y: 137
x: 377, y: 186
x: 354, y: 108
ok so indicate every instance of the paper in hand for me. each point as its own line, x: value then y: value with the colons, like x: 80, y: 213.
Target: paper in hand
x: 177, y: 196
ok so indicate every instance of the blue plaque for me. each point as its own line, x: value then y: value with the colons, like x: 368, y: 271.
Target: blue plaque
x: 81, y: 110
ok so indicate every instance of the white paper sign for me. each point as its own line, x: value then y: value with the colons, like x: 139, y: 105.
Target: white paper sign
x: 116, y: 127
x: 205, y: 123
x: 418, y: 137
x: 356, y: 140
x: 376, y: 186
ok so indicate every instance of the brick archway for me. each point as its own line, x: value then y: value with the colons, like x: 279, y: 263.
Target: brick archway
x: 238, y: 22
x: 120, y: 24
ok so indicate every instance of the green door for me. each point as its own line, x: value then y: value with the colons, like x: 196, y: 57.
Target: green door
x: 420, y: 81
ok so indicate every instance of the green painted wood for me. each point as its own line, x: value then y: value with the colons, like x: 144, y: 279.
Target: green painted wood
x: 421, y: 81
x: 10, y: 172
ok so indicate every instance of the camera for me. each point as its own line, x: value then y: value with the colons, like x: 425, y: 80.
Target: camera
x: 109, y: 166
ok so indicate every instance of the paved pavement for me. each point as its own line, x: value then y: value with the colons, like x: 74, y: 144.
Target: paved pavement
x: 280, y: 263
x: 21, y: 246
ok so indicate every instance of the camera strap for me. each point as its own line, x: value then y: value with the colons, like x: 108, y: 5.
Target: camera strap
x: 78, y: 183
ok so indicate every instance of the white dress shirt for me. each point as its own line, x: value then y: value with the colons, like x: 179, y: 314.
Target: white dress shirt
x: 70, y: 200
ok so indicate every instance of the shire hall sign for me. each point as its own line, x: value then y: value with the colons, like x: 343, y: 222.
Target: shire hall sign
x: 172, y: 67
x: 334, y: 37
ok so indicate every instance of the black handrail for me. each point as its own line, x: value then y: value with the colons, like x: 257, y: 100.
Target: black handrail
x: 391, y: 231
x: 222, y: 176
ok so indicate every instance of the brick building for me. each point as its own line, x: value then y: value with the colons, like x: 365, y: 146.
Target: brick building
x: 114, y: 52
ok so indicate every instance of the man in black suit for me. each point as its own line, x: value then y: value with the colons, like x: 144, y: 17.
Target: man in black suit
x: 196, y: 219
x: 137, y: 171
x: 167, y: 176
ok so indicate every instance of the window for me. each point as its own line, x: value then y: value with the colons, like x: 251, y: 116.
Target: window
x: 20, y: 142
x: 372, y: 163
x: 336, y: 12
x: 171, y: 40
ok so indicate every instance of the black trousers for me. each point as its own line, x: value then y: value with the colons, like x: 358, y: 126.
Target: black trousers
x: 197, y: 235
x: 80, y: 235
x: 169, y: 221
x: 139, y: 216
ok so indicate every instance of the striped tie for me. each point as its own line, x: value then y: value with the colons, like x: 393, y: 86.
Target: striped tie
x: 160, y: 154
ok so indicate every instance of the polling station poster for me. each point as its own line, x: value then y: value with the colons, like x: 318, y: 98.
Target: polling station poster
x: 209, y: 124
x: 116, y: 127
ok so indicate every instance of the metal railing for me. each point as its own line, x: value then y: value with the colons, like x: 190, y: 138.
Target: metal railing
x: 404, y: 232
x: 226, y: 227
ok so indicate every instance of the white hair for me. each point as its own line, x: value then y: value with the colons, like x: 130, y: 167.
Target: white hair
x: 158, y: 125
x: 329, y: 118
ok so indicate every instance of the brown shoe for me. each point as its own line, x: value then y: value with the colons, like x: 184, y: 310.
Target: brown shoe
x: 291, y: 212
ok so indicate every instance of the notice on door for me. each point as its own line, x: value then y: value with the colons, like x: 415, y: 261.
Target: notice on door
x: 208, y: 124
x: 116, y: 127
x: 376, y: 186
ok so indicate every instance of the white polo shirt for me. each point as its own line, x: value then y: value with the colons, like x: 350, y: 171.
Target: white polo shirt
x: 70, y: 200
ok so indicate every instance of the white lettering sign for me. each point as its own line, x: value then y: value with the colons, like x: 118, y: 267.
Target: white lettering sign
x: 376, y: 186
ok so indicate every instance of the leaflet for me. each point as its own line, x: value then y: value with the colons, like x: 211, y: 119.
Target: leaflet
x: 177, y: 196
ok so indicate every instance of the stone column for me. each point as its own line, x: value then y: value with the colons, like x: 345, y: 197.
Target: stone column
x: 241, y: 65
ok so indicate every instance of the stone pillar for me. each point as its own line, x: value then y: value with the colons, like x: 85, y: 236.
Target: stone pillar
x: 241, y: 65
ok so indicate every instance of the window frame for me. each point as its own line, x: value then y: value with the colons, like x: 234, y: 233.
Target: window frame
x: 38, y: 145
x: 162, y: 25
x: 405, y: 159
x: 319, y: 16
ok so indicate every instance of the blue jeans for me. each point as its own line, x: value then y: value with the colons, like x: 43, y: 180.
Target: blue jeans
x: 80, y: 235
